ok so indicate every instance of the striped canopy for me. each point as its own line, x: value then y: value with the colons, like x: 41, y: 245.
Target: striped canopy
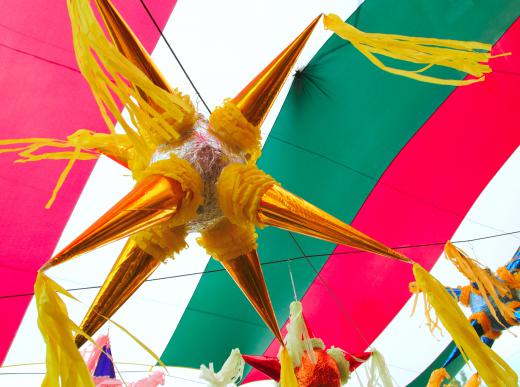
x: 409, y: 163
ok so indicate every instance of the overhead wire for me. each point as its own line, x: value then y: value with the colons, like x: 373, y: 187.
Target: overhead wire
x: 284, y: 260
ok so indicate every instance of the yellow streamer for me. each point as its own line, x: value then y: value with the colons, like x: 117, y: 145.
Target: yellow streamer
x: 468, y: 57
x: 229, y: 124
x: 227, y: 240
x: 240, y: 188
x: 159, y: 118
x: 65, y: 366
x: 437, y: 377
x: 287, y: 376
x: 493, y: 370
x: 488, y: 284
x: 86, y: 146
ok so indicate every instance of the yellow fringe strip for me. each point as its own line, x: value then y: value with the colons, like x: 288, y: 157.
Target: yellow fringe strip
x: 493, y: 370
x: 432, y: 320
x: 182, y: 171
x: 437, y: 377
x: 229, y: 124
x: 488, y: 284
x: 287, y: 376
x: 86, y: 145
x: 162, y: 241
x: 226, y: 240
x: 240, y: 188
x: 65, y: 366
x: 159, y: 116
x: 474, y: 381
x: 64, y: 363
x: 468, y: 57
x: 511, y: 280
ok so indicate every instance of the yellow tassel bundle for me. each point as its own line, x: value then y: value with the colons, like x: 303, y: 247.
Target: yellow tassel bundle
x: 240, y: 188
x: 488, y: 284
x: 493, y: 370
x: 65, y: 366
x: 159, y: 118
x: 468, y: 57
x: 287, y: 375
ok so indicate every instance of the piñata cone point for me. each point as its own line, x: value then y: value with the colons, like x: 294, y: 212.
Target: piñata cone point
x: 128, y: 44
x: 255, y: 100
x: 247, y: 273
x: 153, y: 200
x: 280, y: 208
x: 132, y: 268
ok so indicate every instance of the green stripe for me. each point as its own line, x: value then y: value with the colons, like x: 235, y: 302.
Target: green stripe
x: 340, y: 127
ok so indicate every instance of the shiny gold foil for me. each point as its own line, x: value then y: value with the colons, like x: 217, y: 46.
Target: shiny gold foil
x: 153, y: 200
x: 129, y: 272
x: 129, y: 45
x: 285, y: 210
x: 255, y: 100
x: 247, y: 273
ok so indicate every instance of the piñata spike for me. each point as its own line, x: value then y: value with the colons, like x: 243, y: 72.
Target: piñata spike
x: 128, y: 44
x: 255, y: 100
x: 153, y: 200
x: 132, y: 268
x: 247, y: 273
x: 280, y: 208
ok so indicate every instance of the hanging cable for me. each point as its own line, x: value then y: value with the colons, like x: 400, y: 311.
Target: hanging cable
x: 174, y: 55
x: 284, y: 260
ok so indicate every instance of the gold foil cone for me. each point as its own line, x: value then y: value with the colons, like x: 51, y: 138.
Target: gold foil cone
x: 128, y: 44
x: 153, y: 200
x: 247, y: 273
x: 255, y: 100
x: 285, y: 210
x: 131, y: 269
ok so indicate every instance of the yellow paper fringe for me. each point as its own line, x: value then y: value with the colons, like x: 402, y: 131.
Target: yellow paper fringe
x: 432, y: 319
x: 474, y: 381
x: 287, y: 376
x: 229, y: 124
x: 493, y: 370
x: 488, y: 284
x: 510, y: 279
x: 65, y: 366
x: 182, y: 171
x: 226, y: 240
x: 159, y: 118
x: 468, y: 57
x: 162, y: 241
x: 240, y: 188
x: 437, y: 377
x: 86, y: 146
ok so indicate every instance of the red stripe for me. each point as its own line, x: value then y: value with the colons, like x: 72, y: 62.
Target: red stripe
x: 42, y: 95
x: 473, y: 133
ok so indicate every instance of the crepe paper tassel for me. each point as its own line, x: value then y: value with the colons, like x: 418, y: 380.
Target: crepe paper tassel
x: 230, y: 373
x: 488, y: 285
x: 297, y: 339
x: 96, y: 351
x: 474, y: 381
x: 287, y: 375
x: 159, y: 115
x: 379, y: 373
x: 432, y: 320
x: 468, y: 57
x: 493, y: 370
x: 437, y: 377
x: 65, y: 366
x: 86, y: 145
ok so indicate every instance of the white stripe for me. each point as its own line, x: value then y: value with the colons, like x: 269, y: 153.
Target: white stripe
x: 223, y: 45
x: 406, y: 342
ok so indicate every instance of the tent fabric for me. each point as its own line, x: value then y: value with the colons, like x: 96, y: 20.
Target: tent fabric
x: 341, y: 127
x: 43, y: 95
